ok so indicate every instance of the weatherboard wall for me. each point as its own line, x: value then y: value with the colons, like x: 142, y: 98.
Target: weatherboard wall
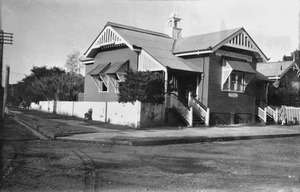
x: 91, y: 92
x: 242, y: 107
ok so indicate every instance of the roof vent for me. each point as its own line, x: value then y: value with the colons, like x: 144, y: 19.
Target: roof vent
x: 173, y: 29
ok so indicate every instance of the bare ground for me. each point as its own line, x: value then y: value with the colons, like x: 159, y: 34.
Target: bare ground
x: 31, y: 164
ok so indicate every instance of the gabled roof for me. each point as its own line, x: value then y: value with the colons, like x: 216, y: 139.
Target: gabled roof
x: 203, y: 42
x: 211, y: 42
x: 163, y: 49
x: 274, y: 69
x: 156, y: 44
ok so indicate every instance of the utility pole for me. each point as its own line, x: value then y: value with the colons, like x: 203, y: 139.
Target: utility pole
x: 6, y: 88
x: 5, y: 38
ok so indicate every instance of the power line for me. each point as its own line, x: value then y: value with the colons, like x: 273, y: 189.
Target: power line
x: 71, y: 21
x: 16, y: 73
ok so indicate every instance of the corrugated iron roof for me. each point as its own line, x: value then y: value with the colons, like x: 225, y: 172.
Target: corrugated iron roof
x: 137, y: 29
x: 273, y: 69
x: 261, y: 77
x: 203, y: 42
x: 142, y: 40
x: 158, y: 46
x: 162, y: 47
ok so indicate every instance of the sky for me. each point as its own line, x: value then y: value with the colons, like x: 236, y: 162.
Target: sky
x: 46, y: 31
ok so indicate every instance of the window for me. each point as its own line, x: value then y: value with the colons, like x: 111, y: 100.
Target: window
x: 236, y: 75
x: 101, y: 82
x: 116, y: 79
x: 103, y: 87
x: 235, y: 82
x: 114, y: 73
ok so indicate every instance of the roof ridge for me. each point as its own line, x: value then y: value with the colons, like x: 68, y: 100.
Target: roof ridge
x: 272, y: 62
x: 137, y: 29
x: 234, y: 29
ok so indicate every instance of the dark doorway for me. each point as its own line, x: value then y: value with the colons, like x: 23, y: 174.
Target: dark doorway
x: 186, y: 84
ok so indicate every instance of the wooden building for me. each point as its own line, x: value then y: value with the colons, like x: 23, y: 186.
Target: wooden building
x: 284, y: 76
x: 210, y: 77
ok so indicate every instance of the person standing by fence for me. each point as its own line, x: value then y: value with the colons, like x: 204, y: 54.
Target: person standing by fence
x: 282, y: 115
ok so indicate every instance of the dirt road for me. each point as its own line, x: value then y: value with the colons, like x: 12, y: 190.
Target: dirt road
x: 32, y: 164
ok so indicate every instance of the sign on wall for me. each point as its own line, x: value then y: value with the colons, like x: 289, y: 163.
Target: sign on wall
x: 233, y: 95
x: 234, y: 55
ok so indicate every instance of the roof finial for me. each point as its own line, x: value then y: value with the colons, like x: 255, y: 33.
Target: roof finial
x: 174, y: 8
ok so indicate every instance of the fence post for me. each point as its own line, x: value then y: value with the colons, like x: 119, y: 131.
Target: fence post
x: 190, y: 99
x: 191, y: 117
x: 139, y: 111
x: 105, y: 113
x: 207, y: 117
x: 265, y: 115
x: 276, y: 115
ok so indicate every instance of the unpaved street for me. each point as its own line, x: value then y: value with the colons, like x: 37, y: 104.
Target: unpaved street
x: 31, y: 164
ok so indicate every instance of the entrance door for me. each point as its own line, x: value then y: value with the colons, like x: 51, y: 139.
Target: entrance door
x: 186, y: 84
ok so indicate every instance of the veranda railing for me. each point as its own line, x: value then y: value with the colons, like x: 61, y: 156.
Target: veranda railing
x: 172, y: 101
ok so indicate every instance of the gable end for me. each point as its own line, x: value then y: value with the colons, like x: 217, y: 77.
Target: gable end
x: 108, y: 37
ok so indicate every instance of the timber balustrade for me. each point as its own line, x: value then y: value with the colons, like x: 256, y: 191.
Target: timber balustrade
x: 263, y: 113
x: 172, y: 101
x: 202, y: 111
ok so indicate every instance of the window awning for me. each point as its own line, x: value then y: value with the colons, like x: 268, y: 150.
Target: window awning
x: 109, y: 68
x: 117, y: 67
x: 238, y: 66
x: 99, y: 69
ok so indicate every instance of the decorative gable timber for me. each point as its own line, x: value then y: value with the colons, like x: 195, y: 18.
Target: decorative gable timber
x: 241, y: 40
x: 148, y: 63
x: 108, y: 37
x: 296, y: 68
x: 211, y: 42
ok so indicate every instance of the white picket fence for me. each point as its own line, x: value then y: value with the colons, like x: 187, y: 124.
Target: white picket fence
x: 292, y: 114
x: 285, y: 114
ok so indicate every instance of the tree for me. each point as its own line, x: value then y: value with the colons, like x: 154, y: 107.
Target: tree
x: 146, y: 87
x: 284, y: 94
x: 73, y: 63
x: 15, y: 94
x: 46, y: 84
x: 64, y: 87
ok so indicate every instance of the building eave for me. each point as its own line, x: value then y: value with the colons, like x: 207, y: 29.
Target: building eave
x: 200, y: 52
